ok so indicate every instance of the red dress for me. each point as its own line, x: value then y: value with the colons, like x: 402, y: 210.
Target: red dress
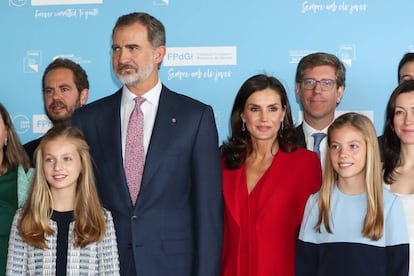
x: 261, y: 228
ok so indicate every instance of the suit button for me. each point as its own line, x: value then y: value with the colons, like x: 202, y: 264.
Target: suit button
x: 134, y: 217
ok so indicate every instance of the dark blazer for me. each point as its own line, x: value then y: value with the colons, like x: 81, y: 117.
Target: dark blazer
x: 176, y: 226
x: 300, y: 141
x: 30, y: 148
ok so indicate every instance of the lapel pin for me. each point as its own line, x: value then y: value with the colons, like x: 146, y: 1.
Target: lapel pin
x: 173, y: 120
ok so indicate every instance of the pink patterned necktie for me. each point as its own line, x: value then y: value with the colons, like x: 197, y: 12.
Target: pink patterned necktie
x: 134, y: 150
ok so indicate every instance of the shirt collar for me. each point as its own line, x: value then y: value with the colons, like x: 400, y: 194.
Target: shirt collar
x: 308, y: 130
x: 152, y: 96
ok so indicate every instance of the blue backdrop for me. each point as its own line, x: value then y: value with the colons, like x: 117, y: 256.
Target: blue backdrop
x: 213, y: 47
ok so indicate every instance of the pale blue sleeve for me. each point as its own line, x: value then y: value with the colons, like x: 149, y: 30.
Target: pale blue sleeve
x: 310, y: 217
x: 24, y: 180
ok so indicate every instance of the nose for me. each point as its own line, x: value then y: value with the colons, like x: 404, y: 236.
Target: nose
x: 263, y: 116
x: 122, y: 55
x: 409, y: 118
x: 57, y: 94
x: 317, y: 88
x: 57, y: 166
x: 343, y: 152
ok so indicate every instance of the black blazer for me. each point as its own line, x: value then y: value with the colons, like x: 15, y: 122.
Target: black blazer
x: 30, y: 148
x: 300, y: 141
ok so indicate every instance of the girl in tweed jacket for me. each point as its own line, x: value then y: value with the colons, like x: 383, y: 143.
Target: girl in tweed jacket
x: 63, y: 229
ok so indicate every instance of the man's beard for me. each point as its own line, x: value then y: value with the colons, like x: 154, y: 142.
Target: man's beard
x: 134, y: 78
x: 69, y: 111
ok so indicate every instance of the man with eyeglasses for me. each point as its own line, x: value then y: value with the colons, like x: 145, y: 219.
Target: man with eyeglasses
x: 320, y: 84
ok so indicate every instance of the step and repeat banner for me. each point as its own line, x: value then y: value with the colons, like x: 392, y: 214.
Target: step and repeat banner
x: 213, y: 47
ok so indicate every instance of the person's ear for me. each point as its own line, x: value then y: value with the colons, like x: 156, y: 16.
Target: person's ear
x: 339, y: 94
x: 83, y: 97
x: 159, y: 54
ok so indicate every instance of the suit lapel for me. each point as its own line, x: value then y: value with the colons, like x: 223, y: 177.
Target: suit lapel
x: 301, y: 142
x: 164, y: 125
x: 108, y: 129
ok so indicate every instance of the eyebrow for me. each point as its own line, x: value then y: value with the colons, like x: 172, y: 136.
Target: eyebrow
x: 59, y: 86
x: 126, y: 45
x: 349, y: 142
x: 267, y: 105
x: 132, y: 45
x: 405, y: 107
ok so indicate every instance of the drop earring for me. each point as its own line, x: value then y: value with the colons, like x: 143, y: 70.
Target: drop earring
x: 244, y: 126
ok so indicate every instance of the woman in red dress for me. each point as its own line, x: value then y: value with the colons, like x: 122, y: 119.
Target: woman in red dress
x: 266, y: 182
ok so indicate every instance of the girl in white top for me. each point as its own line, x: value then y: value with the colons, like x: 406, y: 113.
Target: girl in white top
x: 63, y: 229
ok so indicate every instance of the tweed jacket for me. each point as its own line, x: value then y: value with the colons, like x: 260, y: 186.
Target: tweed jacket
x: 100, y: 258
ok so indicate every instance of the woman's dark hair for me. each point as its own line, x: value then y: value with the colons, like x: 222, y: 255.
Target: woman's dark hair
x: 13, y: 152
x: 237, y: 147
x: 392, y: 143
x: 408, y: 57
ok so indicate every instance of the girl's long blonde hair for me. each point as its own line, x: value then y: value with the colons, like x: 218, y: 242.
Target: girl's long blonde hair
x: 374, y: 218
x: 89, y: 218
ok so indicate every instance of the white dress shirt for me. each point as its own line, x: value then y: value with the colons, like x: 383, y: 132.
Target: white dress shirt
x: 323, y: 146
x: 149, y: 109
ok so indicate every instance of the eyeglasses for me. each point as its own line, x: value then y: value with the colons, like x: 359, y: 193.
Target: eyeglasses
x: 326, y: 84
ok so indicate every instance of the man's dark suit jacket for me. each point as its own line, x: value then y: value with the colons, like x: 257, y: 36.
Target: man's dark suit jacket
x: 30, y: 148
x: 176, y: 226
x: 300, y: 141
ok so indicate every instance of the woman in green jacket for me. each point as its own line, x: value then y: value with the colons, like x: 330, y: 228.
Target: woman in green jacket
x: 15, y: 176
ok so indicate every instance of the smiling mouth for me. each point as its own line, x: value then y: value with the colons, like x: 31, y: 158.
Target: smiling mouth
x: 59, y: 177
x: 345, y: 164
